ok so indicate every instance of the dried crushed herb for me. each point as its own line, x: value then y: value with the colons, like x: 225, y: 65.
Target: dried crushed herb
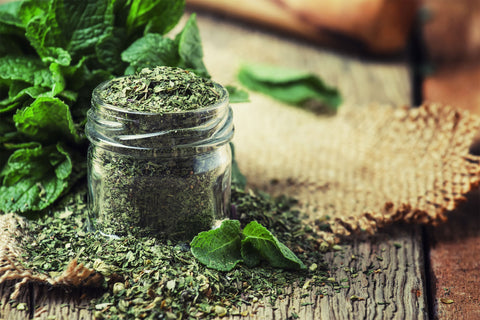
x: 176, y: 198
x: 159, y: 161
x: 160, y: 90
x: 149, y: 278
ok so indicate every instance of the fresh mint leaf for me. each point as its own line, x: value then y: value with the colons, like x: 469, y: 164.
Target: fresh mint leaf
x: 27, y: 69
x: 133, y: 20
x: 69, y: 29
x: 156, y: 50
x: 23, y: 77
x: 223, y: 248
x: 31, y: 9
x: 153, y: 16
x: 39, y: 35
x: 237, y: 95
x: 219, y: 248
x: 46, y: 119
x: 149, y: 51
x: 109, y: 49
x: 260, y: 244
x: 289, y: 86
x: 10, y: 23
x: 33, y: 178
x: 190, y: 48
x: 17, y: 97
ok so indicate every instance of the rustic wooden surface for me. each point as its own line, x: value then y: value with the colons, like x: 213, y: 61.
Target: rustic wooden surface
x: 454, y: 264
x: 385, y: 274
x: 452, y: 42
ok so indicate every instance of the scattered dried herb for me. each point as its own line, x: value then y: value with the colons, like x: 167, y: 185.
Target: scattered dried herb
x: 148, y: 278
x: 446, y: 301
x: 356, y: 298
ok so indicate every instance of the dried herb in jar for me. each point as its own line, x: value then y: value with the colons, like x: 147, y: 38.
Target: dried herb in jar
x: 159, y: 160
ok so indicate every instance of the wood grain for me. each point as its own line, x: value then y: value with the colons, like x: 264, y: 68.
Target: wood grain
x: 452, y: 39
x: 379, y: 277
x: 455, y: 266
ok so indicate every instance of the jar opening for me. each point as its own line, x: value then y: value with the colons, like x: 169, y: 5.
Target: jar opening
x: 189, y: 131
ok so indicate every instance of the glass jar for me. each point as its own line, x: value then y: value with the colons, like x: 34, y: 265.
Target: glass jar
x: 166, y: 175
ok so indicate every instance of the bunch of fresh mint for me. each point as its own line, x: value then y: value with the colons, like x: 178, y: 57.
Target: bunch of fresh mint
x: 52, y: 54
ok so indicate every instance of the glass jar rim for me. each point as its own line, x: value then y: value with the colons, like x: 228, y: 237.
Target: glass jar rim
x: 190, y: 131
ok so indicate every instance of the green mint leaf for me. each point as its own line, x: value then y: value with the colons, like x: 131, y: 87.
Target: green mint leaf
x: 33, y: 178
x: 41, y: 38
x: 219, y: 248
x: 190, y: 48
x: 10, y: 23
x: 260, y: 244
x: 17, y: 97
x: 289, y: 86
x: 150, y: 51
x: 69, y: 29
x: 155, y: 50
x: 237, y: 95
x: 31, y: 9
x: 27, y: 69
x: 46, y: 119
x: 153, y: 16
x: 109, y: 49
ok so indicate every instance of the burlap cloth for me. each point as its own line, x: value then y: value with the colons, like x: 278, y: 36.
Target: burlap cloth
x: 364, y: 167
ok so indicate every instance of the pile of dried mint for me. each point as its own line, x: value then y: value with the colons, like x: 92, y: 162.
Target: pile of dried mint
x: 149, y: 279
x: 160, y: 90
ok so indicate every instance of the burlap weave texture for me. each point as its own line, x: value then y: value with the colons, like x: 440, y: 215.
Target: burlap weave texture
x: 364, y: 167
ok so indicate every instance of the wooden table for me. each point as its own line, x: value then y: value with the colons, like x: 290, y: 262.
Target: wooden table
x: 404, y: 272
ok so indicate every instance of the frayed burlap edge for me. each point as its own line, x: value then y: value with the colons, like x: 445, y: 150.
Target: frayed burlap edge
x: 463, y: 179
x: 12, y: 228
x: 365, y: 168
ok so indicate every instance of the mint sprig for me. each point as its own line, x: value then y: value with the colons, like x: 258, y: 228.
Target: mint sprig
x: 223, y: 248
x: 52, y: 54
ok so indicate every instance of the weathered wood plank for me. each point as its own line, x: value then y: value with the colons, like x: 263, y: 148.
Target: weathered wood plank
x: 378, y: 277
x: 455, y: 266
x: 385, y: 280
